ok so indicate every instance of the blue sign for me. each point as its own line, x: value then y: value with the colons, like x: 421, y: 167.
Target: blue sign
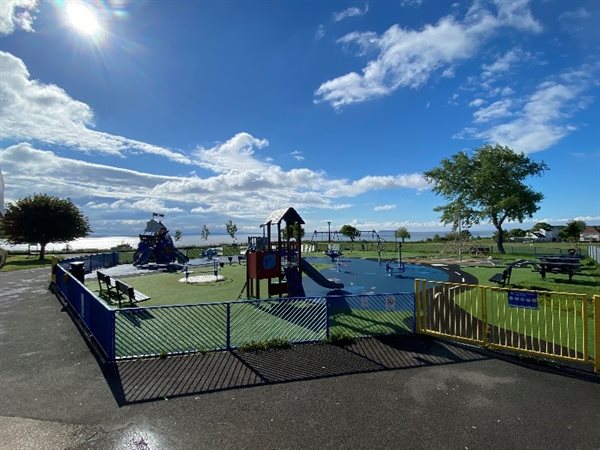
x: 523, y: 299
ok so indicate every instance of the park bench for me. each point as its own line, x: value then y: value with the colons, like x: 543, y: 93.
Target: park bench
x: 503, y: 277
x: 106, y: 283
x: 128, y: 292
x: 118, y: 290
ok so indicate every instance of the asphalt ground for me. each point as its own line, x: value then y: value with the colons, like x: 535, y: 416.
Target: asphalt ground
x: 406, y: 392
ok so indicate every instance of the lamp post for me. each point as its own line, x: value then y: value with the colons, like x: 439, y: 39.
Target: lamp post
x: 329, y: 231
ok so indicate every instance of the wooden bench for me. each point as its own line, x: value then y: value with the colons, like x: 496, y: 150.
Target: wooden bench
x: 503, y: 277
x: 124, y: 290
x: 118, y: 290
x: 106, y: 283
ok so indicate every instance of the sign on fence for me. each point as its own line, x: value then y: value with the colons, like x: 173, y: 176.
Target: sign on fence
x: 522, y: 299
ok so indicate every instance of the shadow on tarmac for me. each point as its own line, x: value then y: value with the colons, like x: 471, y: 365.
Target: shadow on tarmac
x: 144, y: 380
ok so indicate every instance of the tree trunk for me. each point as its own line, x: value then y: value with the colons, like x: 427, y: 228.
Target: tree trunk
x: 42, y: 251
x: 500, y: 239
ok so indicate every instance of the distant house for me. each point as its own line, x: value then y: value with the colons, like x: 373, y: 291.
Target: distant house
x: 544, y: 235
x: 590, y: 234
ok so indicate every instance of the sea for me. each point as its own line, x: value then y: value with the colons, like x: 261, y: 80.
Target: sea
x: 108, y: 242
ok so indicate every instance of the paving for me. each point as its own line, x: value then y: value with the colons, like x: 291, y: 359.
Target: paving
x: 407, y: 391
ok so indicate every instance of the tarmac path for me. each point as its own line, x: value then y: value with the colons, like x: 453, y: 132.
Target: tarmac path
x: 407, y: 392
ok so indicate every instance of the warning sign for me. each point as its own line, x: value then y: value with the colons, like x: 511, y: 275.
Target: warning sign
x: 390, y: 302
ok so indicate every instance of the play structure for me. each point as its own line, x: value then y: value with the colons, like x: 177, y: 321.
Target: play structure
x: 156, y: 246
x: 277, y: 258
x: 396, y: 268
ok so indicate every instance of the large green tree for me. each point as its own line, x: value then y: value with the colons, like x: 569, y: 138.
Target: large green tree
x: 350, y: 232
x: 572, y: 230
x: 488, y: 185
x: 41, y: 219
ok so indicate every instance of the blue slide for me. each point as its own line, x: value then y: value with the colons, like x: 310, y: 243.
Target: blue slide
x: 294, y: 282
x: 181, y: 258
x: 318, y: 277
x: 145, y: 256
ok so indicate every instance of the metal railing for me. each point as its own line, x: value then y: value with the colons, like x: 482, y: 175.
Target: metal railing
x: 96, y: 317
x: 93, y: 262
x: 555, y: 325
x: 165, y: 330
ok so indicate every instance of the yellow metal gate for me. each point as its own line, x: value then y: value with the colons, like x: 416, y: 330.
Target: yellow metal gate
x: 536, y: 323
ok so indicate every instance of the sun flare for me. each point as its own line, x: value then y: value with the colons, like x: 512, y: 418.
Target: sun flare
x: 83, y: 18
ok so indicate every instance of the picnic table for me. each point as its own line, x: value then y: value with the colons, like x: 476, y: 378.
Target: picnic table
x: 559, y: 264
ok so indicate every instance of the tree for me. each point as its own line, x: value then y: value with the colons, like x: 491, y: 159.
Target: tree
x: 572, y: 230
x: 402, y: 233
x: 350, y: 232
x: 489, y: 185
x: 295, y: 227
x: 177, y: 235
x: 541, y: 226
x: 204, y: 233
x: 41, y: 219
x: 231, y: 229
x: 516, y: 233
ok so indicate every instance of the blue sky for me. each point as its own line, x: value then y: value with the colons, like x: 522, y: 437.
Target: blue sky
x: 208, y: 111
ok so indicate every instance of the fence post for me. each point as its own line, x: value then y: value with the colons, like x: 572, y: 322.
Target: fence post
x: 597, y: 333
x: 53, y: 269
x: 112, y: 351
x: 484, y: 319
x: 228, y: 325
x: 417, y: 305
x: 327, y: 329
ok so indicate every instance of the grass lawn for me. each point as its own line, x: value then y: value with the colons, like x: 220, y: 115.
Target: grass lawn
x: 587, y: 281
x: 20, y: 262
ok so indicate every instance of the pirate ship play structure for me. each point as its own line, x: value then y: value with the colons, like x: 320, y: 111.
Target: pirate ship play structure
x: 156, y: 246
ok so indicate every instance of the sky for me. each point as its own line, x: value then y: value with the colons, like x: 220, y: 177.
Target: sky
x: 209, y: 111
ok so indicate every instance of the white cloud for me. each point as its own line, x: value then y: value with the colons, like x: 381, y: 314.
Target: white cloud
x: 541, y: 120
x: 16, y: 14
x: 496, y: 110
x: 504, y: 62
x: 34, y: 111
x: 516, y: 13
x: 384, y: 207
x: 250, y: 190
x: 476, y: 103
x: 297, y: 155
x: 236, y: 154
x: 350, y: 12
x: 411, y: 3
x: 407, y: 58
x: 320, y: 33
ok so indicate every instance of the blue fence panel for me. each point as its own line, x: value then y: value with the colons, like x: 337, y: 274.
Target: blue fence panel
x: 164, y: 330
x: 294, y: 320
x: 96, y: 317
x: 371, y: 315
x: 93, y: 262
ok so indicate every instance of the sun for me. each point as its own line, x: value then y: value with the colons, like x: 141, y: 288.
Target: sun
x: 83, y: 18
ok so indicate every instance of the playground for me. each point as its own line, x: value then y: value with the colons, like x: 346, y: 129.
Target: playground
x: 271, y: 265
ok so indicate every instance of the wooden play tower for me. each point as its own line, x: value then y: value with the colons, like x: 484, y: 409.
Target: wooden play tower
x: 276, y: 257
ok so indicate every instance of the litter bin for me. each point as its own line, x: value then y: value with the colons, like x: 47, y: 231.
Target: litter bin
x: 77, y: 269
